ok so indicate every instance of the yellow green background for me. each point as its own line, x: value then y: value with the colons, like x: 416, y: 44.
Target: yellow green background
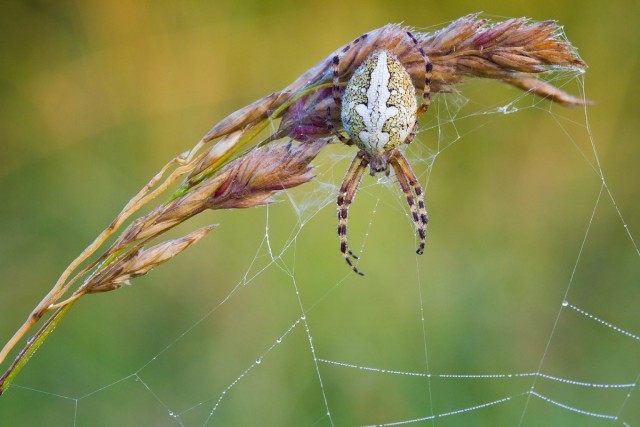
x: 95, y: 96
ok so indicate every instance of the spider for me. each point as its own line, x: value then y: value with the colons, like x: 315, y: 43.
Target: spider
x: 379, y: 113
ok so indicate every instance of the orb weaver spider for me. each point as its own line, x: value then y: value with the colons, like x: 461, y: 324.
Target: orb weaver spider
x: 379, y: 113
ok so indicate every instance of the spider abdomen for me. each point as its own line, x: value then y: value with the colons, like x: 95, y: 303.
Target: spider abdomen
x: 379, y: 107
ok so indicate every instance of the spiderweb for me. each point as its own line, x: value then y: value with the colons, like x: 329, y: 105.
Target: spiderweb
x: 517, y: 314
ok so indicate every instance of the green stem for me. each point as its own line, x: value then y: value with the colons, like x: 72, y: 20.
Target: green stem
x: 34, y: 343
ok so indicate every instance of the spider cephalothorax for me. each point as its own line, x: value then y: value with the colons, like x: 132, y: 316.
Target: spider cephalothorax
x: 379, y: 113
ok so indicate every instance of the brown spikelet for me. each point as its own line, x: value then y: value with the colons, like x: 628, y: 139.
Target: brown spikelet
x: 248, y: 181
x: 142, y: 261
x: 253, y: 180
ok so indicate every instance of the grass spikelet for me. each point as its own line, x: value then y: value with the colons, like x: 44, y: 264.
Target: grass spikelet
x: 140, y: 262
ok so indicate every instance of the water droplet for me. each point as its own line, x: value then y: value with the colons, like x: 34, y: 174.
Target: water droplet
x: 565, y: 303
x: 507, y: 109
x: 258, y: 361
x: 303, y: 317
x: 279, y: 340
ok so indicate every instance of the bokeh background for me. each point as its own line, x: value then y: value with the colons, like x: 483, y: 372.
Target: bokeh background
x: 96, y: 96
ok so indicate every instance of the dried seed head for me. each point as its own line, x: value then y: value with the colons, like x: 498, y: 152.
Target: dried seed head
x: 142, y: 261
x: 248, y: 181
x: 253, y: 179
x: 215, y: 153
x: 452, y: 36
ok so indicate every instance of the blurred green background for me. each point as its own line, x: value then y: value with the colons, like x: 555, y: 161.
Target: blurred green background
x: 96, y: 96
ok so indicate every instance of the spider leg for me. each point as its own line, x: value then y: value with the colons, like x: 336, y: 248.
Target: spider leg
x: 332, y: 129
x: 417, y: 188
x: 345, y: 197
x: 407, y: 179
x: 336, y: 69
x: 345, y: 190
x: 428, y: 71
x: 413, y: 133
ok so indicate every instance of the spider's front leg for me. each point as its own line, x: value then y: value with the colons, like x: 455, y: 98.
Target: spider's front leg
x: 428, y: 72
x: 414, y: 132
x: 345, y: 197
x: 337, y: 99
x: 333, y: 132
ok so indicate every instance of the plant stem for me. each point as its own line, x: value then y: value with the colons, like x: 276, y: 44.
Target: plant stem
x: 36, y: 341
